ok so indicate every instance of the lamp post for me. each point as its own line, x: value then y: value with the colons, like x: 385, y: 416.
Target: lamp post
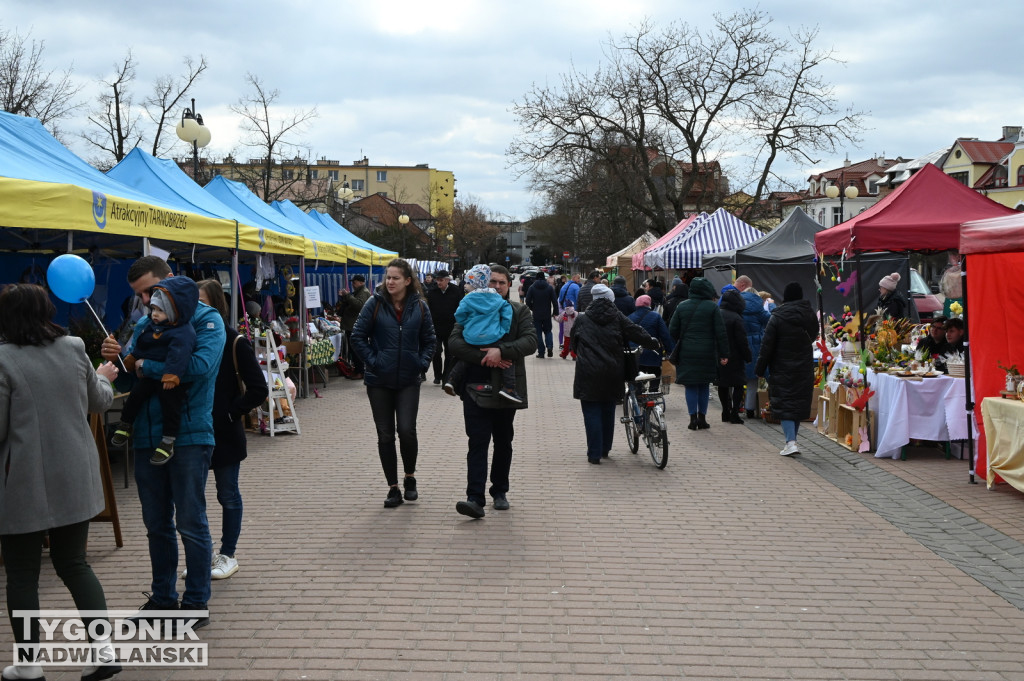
x: 191, y: 129
x: 451, y: 240
x: 344, y: 194
x: 403, y: 220
x: 849, y: 192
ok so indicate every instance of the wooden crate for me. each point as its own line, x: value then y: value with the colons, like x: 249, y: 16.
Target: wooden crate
x: 828, y: 405
x: 849, y: 422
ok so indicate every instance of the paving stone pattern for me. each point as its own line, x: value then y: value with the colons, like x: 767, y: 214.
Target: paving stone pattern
x: 732, y: 563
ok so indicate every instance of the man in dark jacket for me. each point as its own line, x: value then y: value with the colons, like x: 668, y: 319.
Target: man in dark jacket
x: 349, y: 305
x: 585, y: 295
x: 787, y: 357
x: 443, y: 300
x: 542, y: 302
x: 487, y: 415
x: 623, y: 300
x: 755, y: 319
x: 733, y: 376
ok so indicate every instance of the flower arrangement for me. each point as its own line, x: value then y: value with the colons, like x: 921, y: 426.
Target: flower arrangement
x: 888, y: 336
x: 956, y: 309
x: 843, y: 329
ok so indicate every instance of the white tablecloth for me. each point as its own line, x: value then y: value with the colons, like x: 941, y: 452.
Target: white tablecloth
x: 929, y: 409
x: 336, y: 340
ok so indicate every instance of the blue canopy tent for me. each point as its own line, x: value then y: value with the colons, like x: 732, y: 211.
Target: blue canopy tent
x: 374, y: 254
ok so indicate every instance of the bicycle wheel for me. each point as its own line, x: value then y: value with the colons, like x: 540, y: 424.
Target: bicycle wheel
x: 657, y: 436
x: 630, y: 409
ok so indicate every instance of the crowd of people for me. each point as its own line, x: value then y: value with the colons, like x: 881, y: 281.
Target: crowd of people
x: 193, y: 377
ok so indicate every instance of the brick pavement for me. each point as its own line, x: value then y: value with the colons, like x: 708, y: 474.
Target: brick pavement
x: 732, y: 563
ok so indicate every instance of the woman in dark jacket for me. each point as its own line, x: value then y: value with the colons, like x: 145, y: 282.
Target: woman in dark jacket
x: 238, y: 365
x: 732, y: 377
x: 697, y: 324
x: 598, y: 338
x: 651, y: 322
x: 394, y: 336
x: 679, y: 293
x: 890, y: 298
x: 787, y: 356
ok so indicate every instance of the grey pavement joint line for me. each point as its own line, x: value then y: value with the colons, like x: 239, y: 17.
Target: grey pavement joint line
x: 979, y: 551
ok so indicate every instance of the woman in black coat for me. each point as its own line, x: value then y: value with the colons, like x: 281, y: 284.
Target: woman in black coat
x: 598, y: 338
x: 733, y: 376
x: 787, y: 355
x: 237, y: 364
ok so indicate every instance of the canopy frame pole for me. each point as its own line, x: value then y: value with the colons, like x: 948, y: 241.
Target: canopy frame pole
x: 862, y: 337
x: 968, y: 393
x: 233, y: 280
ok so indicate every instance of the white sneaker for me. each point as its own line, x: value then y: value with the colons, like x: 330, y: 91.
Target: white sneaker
x: 790, y: 449
x: 223, y: 567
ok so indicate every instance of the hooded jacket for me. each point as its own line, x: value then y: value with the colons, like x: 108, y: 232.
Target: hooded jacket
x: 755, y: 318
x: 734, y: 373
x: 520, y: 341
x: 623, y: 301
x: 484, y: 317
x: 169, y: 342
x: 697, y: 324
x: 787, y: 355
x: 395, y: 351
x: 680, y: 292
x: 599, y: 339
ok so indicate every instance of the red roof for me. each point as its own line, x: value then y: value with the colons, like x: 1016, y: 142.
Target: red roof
x: 986, y: 152
x: 922, y: 214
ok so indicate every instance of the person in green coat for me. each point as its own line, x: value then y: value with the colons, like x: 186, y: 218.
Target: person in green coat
x: 699, y: 330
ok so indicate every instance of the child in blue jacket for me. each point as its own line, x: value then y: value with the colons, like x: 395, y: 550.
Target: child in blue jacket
x: 485, y: 318
x: 167, y: 336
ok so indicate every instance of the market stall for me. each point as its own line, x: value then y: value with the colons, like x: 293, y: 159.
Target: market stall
x: 717, y: 232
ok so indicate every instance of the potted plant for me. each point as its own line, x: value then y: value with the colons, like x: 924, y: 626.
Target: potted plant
x: 1012, y: 376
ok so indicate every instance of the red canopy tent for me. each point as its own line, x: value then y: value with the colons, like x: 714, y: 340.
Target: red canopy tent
x: 995, y: 253
x: 922, y: 214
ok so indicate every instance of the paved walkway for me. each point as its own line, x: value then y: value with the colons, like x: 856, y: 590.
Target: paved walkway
x: 731, y: 563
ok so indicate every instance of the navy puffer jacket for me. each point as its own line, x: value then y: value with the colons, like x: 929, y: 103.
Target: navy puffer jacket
x: 396, y: 353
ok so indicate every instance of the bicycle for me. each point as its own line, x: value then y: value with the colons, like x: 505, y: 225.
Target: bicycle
x: 643, y: 415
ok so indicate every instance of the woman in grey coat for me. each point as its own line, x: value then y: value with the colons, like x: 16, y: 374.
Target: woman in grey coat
x: 48, y: 387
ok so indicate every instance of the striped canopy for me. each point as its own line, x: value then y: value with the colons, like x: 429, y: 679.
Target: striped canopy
x: 676, y: 232
x: 720, y: 231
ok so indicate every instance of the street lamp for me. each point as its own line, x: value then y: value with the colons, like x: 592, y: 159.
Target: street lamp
x: 191, y: 129
x: 849, y: 192
x: 403, y: 220
x: 451, y: 241
x: 344, y: 194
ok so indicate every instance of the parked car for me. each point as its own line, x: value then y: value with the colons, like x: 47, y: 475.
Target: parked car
x: 925, y: 301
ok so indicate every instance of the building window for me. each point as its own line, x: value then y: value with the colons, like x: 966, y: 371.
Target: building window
x: 287, y: 174
x: 358, y: 186
x: 1020, y: 176
x: 314, y: 174
x: 962, y: 178
x: 837, y: 215
x: 332, y: 175
x: 873, y: 187
x: 382, y: 176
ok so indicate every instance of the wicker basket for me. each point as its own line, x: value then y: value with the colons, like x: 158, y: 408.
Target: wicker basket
x: 956, y: 370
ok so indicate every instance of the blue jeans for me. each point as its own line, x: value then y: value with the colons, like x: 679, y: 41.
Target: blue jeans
x: 389, y: 407
x: 789, y: 429
x: 230, y: 499
x: 697, y: 398
x: 544, y: 338
x: 482, y: 426
x: 599, y: 424
x: 176, y: 492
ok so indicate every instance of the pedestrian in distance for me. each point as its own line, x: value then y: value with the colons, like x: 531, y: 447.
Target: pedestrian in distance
x: 350, y: 303
x: 443, y: 300
x: 787, y: 358
x: 240, y: 387
x: 599, y: 340
x: 651, y: 322
x: 394, y: 336
x: 755, y: 319
x: 698, y: 327
x: 732, y: 376
x: 52, y: 485
x: 488, y: 416
x: 543, y: 305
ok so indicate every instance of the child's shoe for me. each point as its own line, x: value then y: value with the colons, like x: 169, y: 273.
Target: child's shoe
x: 510, y: 394
x: 163, y: 452
x: 449, y: 388
x: 121, y: 435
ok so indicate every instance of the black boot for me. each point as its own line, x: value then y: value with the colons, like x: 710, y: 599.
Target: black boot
x: 726, y: 415
x: 702, y: 422
x: 693, y: 422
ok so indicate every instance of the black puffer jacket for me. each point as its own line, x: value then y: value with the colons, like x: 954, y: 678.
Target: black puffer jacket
x: 787, y: 355
x: 598, y: 339
x: 680, y: 292
x: 229, y: 404
x: 396, y: 353
x: 734, y: 373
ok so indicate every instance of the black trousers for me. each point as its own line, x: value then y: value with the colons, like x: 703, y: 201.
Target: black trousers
x: 391, y: 407
x: 170, y: 403
x: 483, y: 426
x: 731, y: 397
x: 442, y: 365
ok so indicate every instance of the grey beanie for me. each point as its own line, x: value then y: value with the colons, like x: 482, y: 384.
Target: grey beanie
x: 602, y: 291
x: 160, y: 298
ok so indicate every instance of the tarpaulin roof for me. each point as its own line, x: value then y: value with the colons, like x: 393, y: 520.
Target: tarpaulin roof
x: 995, y: 235
x: 238, y: 197
x: 624, y: 256
x: 922, y: 214
x: 320, y: 230
x: 681, y: 228
x: 164, y: 180
x: 717, y: 232
x: 791, y: 242
x: 362, y: 251
x: 44, y: 186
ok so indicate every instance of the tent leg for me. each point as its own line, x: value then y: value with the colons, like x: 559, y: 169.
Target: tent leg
x: 969, y: 394
x: 862, y: 336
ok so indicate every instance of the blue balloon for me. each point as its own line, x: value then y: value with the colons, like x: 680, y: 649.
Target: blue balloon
x: 71, y: 278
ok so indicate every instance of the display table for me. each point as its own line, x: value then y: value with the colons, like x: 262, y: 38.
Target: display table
x: 928, y: 409
x: 1004, y: 439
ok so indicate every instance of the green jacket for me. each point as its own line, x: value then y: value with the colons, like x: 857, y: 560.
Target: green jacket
x: 698, y: 328
x: 351, y: 304
x: 519, y: 343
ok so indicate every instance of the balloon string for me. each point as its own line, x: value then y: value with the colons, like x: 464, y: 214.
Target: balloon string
x: 105, y: 332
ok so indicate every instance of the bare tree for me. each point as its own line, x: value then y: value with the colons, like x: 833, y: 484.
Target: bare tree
x: 272, y: 140
x: 169, y: 95
x: 473, y: 232
x: 27, y: 88
x: 667, y: 105
x: 115, y: 120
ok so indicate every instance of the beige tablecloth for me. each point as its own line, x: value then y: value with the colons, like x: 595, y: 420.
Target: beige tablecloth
x: 1004, y: 439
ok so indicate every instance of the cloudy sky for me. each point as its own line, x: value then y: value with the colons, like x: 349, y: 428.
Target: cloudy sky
x: 406, y: 82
